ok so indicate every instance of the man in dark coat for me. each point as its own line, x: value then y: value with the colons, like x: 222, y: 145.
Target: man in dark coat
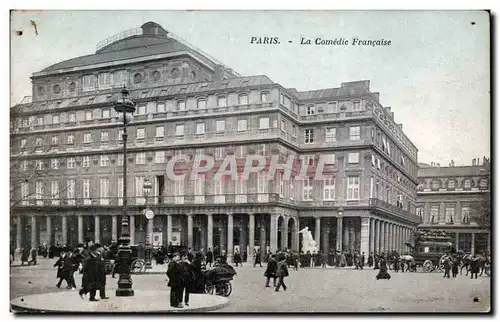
x: 370, y: 260
x: 187, y: 278
x: 91, y: 274
x: 270, y: 272
x: 210, y: 257
x: 447, y: 267
x: 362, y: 260
x: 383, y: 274
x: 175, y: 282
x: 454, y: 266
x: 61, y: 271
x: 281, y: 273
x: 101, y: 276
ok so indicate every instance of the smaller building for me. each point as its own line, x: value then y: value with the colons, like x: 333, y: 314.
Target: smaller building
x: 454, y: 199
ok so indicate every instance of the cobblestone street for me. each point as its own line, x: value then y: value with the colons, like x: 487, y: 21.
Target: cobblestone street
x: 309, y: 290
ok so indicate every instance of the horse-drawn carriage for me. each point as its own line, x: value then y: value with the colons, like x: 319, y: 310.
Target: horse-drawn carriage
x: 218, y: 280
x: 428, y: 251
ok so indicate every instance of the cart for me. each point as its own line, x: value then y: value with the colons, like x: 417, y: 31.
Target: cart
x: 429, y: 249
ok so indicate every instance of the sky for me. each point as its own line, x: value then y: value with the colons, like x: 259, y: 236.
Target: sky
x: 435, y: 76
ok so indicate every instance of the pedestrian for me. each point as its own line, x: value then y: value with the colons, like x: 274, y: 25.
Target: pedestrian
x: 454, y: 267
x: 91, y: 276
x: 370, y: 260
x: 362, y: 260
x: 447, y: 267
x: 175, y: 281
x: 61, y: 270
x: 210, y: 257
x: 256, y: 257
x: 383, y: 274
x: 474, y: 267
x: 187, y: 278
x: 324, y: 259
x: 237, y: 258
x: 270, y: 272
x: 34, y: 254
x: 281, y: 273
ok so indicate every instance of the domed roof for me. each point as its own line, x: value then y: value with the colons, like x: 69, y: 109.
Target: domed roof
x: 150, y: 39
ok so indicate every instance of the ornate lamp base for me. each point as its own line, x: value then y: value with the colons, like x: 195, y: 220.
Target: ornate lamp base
x: 124, y: 280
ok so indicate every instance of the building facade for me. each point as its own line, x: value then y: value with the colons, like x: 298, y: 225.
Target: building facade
x: 453, y: 199
x: 66, y: 152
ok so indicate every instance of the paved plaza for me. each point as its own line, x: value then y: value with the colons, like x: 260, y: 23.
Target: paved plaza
x: 309, y: 290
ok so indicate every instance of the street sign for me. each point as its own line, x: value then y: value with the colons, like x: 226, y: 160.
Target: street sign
x: 149, y: 214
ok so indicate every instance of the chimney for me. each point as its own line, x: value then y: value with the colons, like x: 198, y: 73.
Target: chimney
x: 438, y: 165
x: 452, y: 163
x: 387, y: 110
x: 219, y: 73
x: 484, y: 160
x: 376, y: 96
x: 473, y: 162
x: 363, y: 83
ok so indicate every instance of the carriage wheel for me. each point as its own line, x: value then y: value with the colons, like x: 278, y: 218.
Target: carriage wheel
x: 227, y: 289
x: 138, y: 266
x: 209, y: 288
x: 428, y: 266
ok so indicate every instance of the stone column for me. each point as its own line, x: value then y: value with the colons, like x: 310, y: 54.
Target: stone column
x: 97, y: 230
x: 384, y: 237
x: 80, y: 229
x: 243, y: 237
x: 49, y: 230
x: 346, y: 237
x: 64, y: 230
x: 365, y: 236
x: 372, y: 237
x: 190, y: 230
x: 251, y: 234
x: 33, y: 232
x: 131, y: 224
x: 317, y: 230
x: 273, y: 243
x: 339, y: 234
x: 284, y: 234
x: 376, y: 248
x: 457, y: 240
x: 19, y: 237
x: 210, y: 232
x: 326, y: 237
x: 393, y: 237
x: 114, y: 228
x: 230, y: 237
x: 150, y: 231
x: 169, y: 229
x: 472, y: 245
x: 442, y: 213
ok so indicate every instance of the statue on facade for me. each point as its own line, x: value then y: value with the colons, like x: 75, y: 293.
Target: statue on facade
x: 308, y: 242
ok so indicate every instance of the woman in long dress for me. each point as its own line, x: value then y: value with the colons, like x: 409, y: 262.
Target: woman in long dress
x: 382, y: 273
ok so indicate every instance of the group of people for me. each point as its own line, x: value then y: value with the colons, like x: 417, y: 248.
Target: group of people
x: 277, y: 268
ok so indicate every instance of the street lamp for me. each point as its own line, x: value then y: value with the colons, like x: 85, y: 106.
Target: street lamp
x: 124, y: 108
x: 147, y: 186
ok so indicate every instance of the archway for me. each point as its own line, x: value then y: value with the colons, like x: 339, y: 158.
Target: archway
x: 292, y: 234
x: 281, y: 232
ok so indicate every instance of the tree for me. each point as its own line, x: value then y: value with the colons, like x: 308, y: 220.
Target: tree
x: 482, y: 211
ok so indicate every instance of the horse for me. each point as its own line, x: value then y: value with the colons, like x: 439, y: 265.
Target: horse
x: 465, y: 261
x: 407, y: 260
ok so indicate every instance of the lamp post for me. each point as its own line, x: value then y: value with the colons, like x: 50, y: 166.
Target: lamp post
x: 124, y: 108
x: 149, y: 216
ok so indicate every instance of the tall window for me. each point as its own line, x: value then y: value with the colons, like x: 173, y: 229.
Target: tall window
x: 25, y: 191
x: 39, y: 164
x: 221, y: 126
x: 242, y: 125
x: 87, y: 137
x: 356, y: 105
x: 105, y: 113
x: 222, y: 101
x: 86, y: 191
x: 283, y: 126
x: 70, y: 194
x: 434, y: 215
x: 54, y: 189
x: 39, y: 142
x: 354, y: 157
x: 71, y: 118
x: 262, y: 187
x: 241, y: 189
x: 310, y: 110
x: 451, y: 184
x: 119, y: 159
x: 352, y: 188
x: 104, y: 161
x: 465, y: 215
x: 141, y: 110
x: 450, y: 214
x: 420, y: 212
x: 329, y: 189
x: 331, y: 134
x: 86, y: 161
x: 160, y: 132
x: 202, y: 103
x: 307, y: 190
x: 70, y: 163
x: 292, y: 188
x: 141, y: 133
x: 354, y: 133
x: 243, y: 99
x: 55, y: 140
x: 119, y: 190
x: 161, y: 108
x: 104, y: 191
x: 263, y: 123
x: 160, y: 157
x: 55, y: 119
x: 264, y: 97
x: 199, y: 189
x: 181, y: 105
x: 309, y: 136
x: 104, y: 137
x: 139, y: 186
x: 179, y: 130
x: 24, y: 165
x: 435, y: 185
x: 281, y: 183
x: 294, y: 131
x: 140, y: 158
x: 88, y: 82
x: 39, y: 190
x: 88, y: 115
x: 54, y: 164
x: 467, y: 184
x: 120, y: 78
x: 200, y: 128
x: 104, y: 80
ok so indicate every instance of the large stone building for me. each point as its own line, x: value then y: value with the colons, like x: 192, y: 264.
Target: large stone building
x: 67, y: 159
x: 455, y: 199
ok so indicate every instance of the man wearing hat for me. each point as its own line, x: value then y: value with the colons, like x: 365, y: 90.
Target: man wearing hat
x: 175, y: 281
